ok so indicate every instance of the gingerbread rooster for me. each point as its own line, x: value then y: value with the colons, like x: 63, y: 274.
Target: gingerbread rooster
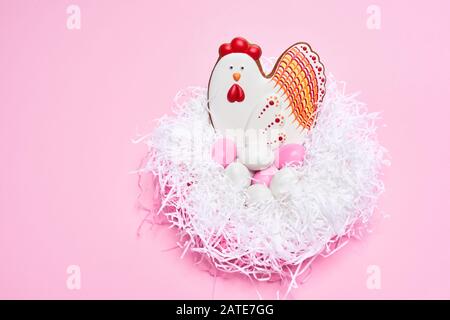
x: 282, y: 104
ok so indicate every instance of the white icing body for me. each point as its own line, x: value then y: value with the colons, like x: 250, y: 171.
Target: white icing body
x: 256, y: 154
x: 262, y: 106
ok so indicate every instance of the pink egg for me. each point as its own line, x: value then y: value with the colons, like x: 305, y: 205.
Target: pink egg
x: 264, y: 176
x: 224, y: 151
x: 291, y: 153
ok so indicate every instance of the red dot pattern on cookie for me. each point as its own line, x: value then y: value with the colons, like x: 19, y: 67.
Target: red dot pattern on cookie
x: 271, y: 101
x: 277, y: 121
x: 278, y: 140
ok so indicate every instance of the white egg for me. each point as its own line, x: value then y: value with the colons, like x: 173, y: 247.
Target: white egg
x: 258, y: 192
x: 239, y: 175
x: 283, y: 181
x: 256, y: 154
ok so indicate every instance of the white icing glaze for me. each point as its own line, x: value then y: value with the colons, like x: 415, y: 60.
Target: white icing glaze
x: 254, y: 112
x: 255, y: 153
x: 234, y: 115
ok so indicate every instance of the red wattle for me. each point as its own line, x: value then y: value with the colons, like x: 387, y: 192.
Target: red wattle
x: 235, y: 94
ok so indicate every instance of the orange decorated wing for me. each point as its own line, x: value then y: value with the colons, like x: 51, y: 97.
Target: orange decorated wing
x: 299, y: 78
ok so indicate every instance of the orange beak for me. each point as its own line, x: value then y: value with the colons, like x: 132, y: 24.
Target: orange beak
x: 236, y: 76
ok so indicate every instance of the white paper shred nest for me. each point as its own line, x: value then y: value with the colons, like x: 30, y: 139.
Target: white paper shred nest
x: 336, y: 195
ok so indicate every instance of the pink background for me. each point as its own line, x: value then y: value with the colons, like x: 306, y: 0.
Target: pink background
x: 71, y: 101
